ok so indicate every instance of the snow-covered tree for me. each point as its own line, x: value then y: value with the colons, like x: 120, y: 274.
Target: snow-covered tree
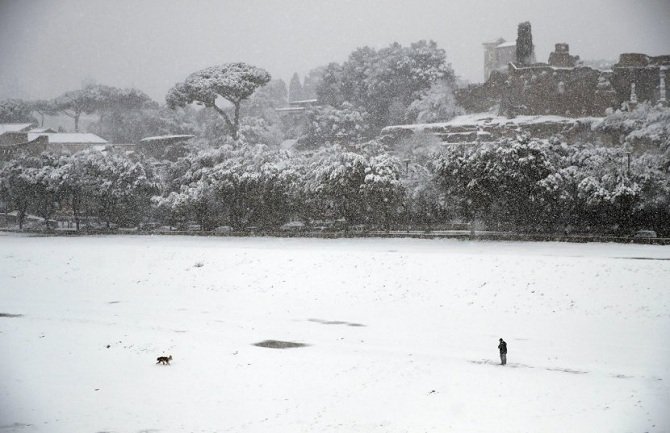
x: 113, y: 188
x: 74, y: 103
x: 46, y: 185
x: 498, y: 182
x: 115, y: 107
x: 265, y: 100
x: 312, y: 81
x: 383, y: 190
x: 343, y: 126
x: 43, y: 107
x: 32, y: 184
x: 16, y: 186
x: 130, y: 126
x: 255, y: 187
x: 295, y: 92
x: 15, y: 111
x: 385, y: 82
x: 437, y: 104
x: 233, y: 82
x: 336, y: 181
x: 647, y: 125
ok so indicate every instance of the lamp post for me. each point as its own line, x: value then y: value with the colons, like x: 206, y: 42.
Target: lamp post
x: 627, y: 152
x: 406, y: 161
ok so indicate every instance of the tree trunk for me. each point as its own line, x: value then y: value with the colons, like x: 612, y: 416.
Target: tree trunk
x: 234, y: 125
x: 76, y: 123
x: 236, y: 122
x: 75, y: 209
x: 21, y: 215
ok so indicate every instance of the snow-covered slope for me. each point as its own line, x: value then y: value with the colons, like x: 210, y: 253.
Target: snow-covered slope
x: 401, y: 335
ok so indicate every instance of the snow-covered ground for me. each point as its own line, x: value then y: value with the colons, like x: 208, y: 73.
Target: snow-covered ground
x: 481, y: 120
x: 402, y: 335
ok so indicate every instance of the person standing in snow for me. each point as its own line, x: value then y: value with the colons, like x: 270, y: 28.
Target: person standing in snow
x: 503, y: 352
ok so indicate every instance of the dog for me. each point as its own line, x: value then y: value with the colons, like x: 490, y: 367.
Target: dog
x: 165, y: 360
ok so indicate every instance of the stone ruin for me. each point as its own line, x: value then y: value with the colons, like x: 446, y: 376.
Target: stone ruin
x: 564, y: 86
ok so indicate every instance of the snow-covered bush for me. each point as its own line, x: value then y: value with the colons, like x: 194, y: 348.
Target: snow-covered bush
x: 384, y: 82
x: 327, y: 125
x: 437, y: 104
x: 647, y: 125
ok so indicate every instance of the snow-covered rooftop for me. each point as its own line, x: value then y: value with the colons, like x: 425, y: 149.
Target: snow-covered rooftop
x: 290, y: 109
x: 304, y: 101
x: 14, y: 127
x: 506, y: 44
x: 166, y: 137
x: 69, y: 138
x: 42, y: 130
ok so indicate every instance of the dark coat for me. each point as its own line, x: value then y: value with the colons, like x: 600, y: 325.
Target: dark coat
x: 503, y: 347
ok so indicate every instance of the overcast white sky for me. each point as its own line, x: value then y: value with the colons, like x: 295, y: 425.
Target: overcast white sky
x: 48, y: 47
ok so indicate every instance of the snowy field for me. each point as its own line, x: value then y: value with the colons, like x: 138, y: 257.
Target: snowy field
x: 401, y: 335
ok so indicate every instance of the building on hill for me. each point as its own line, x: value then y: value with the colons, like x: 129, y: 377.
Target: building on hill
x: 648, y: 73
x: 564, y: 86
x: 297, y: 107
x: 19, y: 138
x: 70, y: 142
x: 42, y: 130
x: 497, y: 55
x: 294, y: 117
x: 14, y: 127
x: 561, y: 57
x: 10, y: 147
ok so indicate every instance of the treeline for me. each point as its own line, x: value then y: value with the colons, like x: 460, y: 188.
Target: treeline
x: 523, y: 185
x: 356, y: 99
x: 339, y: 168
x: 89, y: 185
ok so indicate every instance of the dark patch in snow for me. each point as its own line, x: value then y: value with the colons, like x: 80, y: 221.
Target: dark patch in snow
x: 622, y: 376
x: 335, y: 322
x: 518, y: 365
x: 14, y: 426
x: 509, y: 364
x: 275, y: 344
x: 10, y: 315
x: 114, y: 302
x: 567, y: 370
x: 642, y: 258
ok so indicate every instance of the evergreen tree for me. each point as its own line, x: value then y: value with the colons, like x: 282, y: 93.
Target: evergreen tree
x: 295, y: 92
x: 524, y: 44
x: 15, y: 111
x: 385, y: 82
x: 233, y: 82
x: 312, y: 81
